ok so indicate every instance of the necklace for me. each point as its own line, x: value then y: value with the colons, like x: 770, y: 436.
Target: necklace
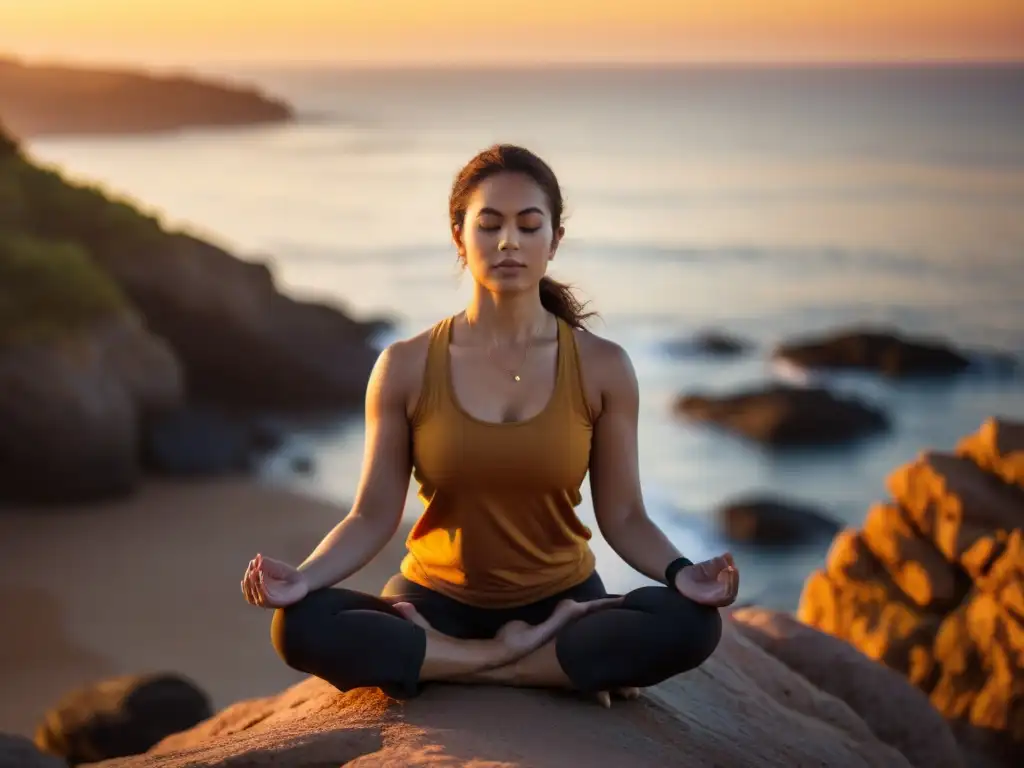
x: 513, y: 373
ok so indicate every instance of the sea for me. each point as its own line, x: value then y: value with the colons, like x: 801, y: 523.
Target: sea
x: 766, y: 202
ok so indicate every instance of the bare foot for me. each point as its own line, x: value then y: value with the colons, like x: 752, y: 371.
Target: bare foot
x: 520, y: 639
x: 604, y: 698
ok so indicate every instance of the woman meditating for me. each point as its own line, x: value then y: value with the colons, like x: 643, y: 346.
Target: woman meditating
x: 499, y: 412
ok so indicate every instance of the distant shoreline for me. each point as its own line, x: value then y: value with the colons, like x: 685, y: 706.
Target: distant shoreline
x: 58, y: 99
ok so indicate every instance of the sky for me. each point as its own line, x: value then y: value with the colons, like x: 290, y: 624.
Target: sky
x: 510, y: 31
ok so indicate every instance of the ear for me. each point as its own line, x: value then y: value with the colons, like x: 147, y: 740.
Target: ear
x: 457, y: 239
x: 555, y: 242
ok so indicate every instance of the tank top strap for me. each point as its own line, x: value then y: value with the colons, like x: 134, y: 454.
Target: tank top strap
x: 570, y: 371
x: 434, y: 387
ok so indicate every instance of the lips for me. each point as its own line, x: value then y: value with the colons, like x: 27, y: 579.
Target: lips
x: 509, y: 263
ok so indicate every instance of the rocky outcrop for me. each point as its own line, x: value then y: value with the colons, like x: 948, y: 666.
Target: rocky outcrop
x: 932, y: 585
x: 898, y: 713
x: 120, y: 717
x: 70, y: 410
x: 771, y: 521
x: 238, y: 338
x: 39, y: 100
x: 709, y: 342
x: 19, y: 752
x: 782, y: 415
x: 880, y: 350
x: 742, y: 707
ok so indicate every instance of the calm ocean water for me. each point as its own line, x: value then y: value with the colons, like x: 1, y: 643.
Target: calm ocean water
x: 766, y: 203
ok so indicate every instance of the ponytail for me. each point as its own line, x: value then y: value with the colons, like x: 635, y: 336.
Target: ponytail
x: 558, y: 299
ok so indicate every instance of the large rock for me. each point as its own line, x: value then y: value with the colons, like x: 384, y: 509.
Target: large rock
x: 741, y: 708
x: 70, y: 410
x: 120, y: 717
x: 879, y: 350
x: 55, y: 99
x: 933, y: 585
x: 771, y: 521
x: 19, y: 752
x: 240, y: 340
x: 782, y: 415
x: 897, y: 712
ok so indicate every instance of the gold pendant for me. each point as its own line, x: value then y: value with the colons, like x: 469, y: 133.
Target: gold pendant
x: 517, y: 377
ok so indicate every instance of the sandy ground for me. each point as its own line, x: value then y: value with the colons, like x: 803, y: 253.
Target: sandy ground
x: 152, y: 584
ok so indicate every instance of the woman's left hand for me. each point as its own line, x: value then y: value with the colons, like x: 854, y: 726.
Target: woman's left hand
x: 714, y: 582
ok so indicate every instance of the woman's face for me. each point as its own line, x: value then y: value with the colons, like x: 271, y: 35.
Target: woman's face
x: 507, y: 240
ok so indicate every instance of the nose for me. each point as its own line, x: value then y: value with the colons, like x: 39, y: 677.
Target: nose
x: 509, y: 240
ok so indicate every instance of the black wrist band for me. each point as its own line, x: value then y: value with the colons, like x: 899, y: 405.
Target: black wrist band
x: 673, y: 568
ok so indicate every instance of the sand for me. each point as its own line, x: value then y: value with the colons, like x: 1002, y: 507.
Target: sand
x: 151, y: 583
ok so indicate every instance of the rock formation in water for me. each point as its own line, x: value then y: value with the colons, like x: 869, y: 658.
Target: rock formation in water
x: 932, y: 585
x: 49, y: 99
x: 785, y: 416
x: 883, y: 351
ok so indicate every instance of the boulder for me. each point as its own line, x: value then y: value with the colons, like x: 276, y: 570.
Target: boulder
x: 19, y: 752
x: 897, y: 712
x: 741, y: 707
x: 880, y: 350
x: 70, y: 410
x: 932, y: 586
x: 49, y: 99
x: 121, y: 716
x: 770, y: 521
x: 781, y: 415
x: 195, y: 441
x: 240, y: 341
x: 709, y: 342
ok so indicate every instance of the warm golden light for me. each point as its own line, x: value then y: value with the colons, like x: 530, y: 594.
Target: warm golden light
x: 521, y: 31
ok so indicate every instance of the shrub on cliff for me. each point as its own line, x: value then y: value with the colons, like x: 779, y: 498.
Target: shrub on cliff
x: 48, y: 288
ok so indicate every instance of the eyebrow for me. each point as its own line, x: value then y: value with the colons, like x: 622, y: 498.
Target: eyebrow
x: 494, y: 212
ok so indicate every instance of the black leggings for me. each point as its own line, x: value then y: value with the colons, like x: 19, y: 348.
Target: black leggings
x: 352, y: 639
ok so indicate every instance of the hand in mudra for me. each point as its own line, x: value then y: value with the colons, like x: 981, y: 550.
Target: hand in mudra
x: 714, y: 582
x: 271, y: 583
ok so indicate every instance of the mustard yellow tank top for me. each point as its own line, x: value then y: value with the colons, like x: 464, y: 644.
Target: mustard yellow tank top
x: 499, y: 527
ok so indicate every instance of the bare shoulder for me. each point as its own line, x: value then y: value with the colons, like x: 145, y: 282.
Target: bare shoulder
x: 398, y: 372
x: 607, y: 369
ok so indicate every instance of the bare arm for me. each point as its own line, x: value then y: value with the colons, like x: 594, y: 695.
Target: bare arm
x: 615, y: 471
x: 383, y: 485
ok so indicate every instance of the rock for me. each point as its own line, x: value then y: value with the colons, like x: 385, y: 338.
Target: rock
x: 121, y: 716
x: 45, y: 100
x: 19, y: 752
x: 241, y: 342
x: 742, y: 707
x: 898, y: 713
x: 192, y: 441
x: 709, y: 342
x: 70, y: 411
x: 770, y: 521
x: 933, y: 586
x: 781, y: 415
x: 881, y: 350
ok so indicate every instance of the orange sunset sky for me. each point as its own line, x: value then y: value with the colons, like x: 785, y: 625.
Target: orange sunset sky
x: 516, y: 31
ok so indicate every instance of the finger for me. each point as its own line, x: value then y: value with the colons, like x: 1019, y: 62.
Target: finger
x: 247, y: 588
x: 604, y: 699
x: 629, y: 693
x: 729, y: 560
x: 602, y: 603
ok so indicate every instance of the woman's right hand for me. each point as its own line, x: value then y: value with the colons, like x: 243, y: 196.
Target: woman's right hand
x: 271, y: 583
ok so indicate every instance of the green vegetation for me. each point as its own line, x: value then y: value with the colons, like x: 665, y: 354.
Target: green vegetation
x: 55, y: 239
x: 48, y: 289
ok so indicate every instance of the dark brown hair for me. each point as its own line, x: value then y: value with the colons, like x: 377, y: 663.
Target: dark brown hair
x: 557, y: 298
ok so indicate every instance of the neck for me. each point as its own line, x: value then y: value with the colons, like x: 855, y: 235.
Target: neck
x: 506, y: 318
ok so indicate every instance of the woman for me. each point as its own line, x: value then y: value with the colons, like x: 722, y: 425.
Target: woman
x: 499, y: 413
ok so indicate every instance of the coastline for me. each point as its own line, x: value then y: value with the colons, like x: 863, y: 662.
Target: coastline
x: 151, y: 583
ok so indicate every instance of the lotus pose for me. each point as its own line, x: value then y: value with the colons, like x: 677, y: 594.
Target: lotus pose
x: 499, y: 412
